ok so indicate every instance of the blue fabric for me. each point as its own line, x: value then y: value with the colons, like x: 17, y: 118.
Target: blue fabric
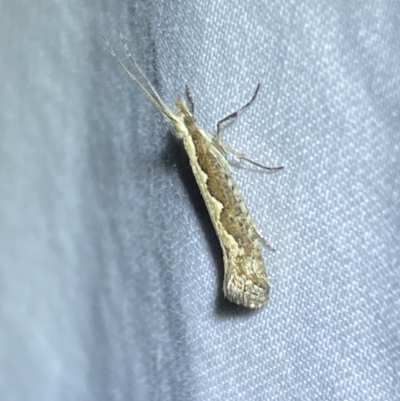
x: 111, y: 274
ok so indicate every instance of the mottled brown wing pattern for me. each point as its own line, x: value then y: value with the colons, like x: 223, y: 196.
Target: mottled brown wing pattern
x: 245, y: 279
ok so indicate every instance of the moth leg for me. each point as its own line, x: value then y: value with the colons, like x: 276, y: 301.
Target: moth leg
x: 218, y: 137
x: 242, y: 157
x: 189, y: 98
x: 266, y: 243
x: 236, y: 114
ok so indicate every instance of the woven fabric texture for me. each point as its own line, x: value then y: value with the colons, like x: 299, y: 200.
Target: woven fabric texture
x: 111, y: 273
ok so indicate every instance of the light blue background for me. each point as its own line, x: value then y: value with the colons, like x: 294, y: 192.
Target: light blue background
x: 110, y: 272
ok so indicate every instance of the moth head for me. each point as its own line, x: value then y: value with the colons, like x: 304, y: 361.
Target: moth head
x: 183, y: 110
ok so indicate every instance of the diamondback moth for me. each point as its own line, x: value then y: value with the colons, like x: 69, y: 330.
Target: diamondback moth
x: 245, y: 278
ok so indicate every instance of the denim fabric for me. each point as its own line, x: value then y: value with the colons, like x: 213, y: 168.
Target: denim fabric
x: 111, y: 273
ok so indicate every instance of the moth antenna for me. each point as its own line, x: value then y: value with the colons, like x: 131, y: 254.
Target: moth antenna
x: 129, y: 55
x: 156, y: 101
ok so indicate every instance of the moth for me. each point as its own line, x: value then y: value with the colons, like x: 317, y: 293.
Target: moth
x: 245, y: 278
